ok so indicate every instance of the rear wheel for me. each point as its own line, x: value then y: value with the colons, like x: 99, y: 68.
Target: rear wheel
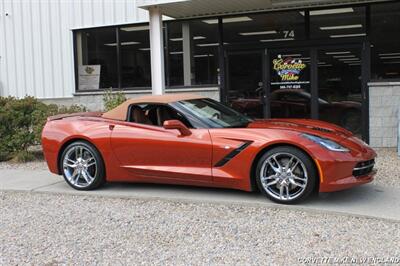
x: 82, y: 166
x: 286, y: 175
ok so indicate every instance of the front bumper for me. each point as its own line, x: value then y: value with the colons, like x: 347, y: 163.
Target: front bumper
x: 339, y: 171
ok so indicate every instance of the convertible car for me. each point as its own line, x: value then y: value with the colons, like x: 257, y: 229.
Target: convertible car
x: 193, y: 140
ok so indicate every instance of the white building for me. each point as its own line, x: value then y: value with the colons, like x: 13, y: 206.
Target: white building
x: 342, y: 57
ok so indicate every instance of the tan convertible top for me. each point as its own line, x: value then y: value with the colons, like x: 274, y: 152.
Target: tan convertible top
x: 120, y: 112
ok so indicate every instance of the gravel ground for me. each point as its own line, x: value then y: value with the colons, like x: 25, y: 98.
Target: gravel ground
x: 388, y: 163
x: 48, y: 229
x: 35, y: 165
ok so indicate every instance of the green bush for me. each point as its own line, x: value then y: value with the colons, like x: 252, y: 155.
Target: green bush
x: 21, y: 124
x: 112, y: 99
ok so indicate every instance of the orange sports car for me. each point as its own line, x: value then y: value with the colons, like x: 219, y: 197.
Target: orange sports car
x: 193, y: 140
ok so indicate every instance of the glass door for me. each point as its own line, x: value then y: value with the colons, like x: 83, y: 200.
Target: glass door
x: 340, y: 87
x: 289, y: 83
x: 245, y: 82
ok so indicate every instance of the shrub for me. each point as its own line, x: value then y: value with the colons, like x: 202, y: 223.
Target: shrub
x: 112, y: 99
x: 23, y: 156
x: 21, y: 124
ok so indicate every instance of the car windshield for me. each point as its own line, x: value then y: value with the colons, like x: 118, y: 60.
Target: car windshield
x: 215, y: 114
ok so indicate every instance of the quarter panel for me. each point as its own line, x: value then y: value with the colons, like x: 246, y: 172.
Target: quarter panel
x: 57, y: 133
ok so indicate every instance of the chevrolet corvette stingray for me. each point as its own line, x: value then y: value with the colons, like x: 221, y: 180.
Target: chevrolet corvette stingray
x: 192, y: 140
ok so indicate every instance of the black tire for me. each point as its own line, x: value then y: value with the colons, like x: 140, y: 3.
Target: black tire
x: 98, y: 175
x: 304, y: 162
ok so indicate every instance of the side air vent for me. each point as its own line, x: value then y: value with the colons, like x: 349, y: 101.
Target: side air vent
x: 232, y: 154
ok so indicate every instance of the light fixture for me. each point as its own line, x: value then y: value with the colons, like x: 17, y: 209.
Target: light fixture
x: 355, y: 64
x: 291, y: 55
x: 392, y: 73
x: 135, y: 28
x: 194, y: 38
x: 144, y: 49
x: 327, y: 65
x: 348, y: 35
x: 209, y: 44
x: 258, y: 33
x: 203, y: 55
x: 392, y: 62
x: 122, y: 43
x: 349, y: 59
x: 180, y: 52
x: 321, y: 63
x: 353, y: 26
x: 329, y: 11
x: 228, y: 20
x: 390, y: 57
x: 344, y: 52
x: 277, y: 40
x: 344, y: 56
x: 389, y: 54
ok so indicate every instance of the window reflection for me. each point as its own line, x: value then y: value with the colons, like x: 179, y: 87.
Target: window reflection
x: 385, y: 40
x: 135, y: 57
x: 192, y: 53
x: 339, y: 87
x: 97, y: 49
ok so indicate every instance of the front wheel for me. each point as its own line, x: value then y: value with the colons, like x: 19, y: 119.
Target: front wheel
x: 82, y: 166
x: 286, y: 175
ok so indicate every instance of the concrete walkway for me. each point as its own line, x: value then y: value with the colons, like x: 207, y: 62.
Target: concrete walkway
x: 367, y: 201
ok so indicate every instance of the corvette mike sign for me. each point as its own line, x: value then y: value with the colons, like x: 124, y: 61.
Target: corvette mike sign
x: 289, y: 73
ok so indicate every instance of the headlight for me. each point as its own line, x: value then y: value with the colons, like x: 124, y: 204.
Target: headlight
x: 329, y: 144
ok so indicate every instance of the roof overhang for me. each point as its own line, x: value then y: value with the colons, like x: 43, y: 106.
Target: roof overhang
x: 180, y: 9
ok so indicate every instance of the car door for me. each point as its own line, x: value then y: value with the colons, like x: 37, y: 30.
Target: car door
x: 152, y: 152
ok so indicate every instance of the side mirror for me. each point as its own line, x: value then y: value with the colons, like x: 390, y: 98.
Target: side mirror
x: 176, y: 124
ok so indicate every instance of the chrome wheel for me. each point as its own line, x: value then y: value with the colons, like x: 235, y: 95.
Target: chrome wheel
x: 80, y: 166
x: 283, y: 176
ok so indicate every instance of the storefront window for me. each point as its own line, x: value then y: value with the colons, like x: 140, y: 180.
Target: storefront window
x: 263, y: 29
x: 97, y: 59
x: 135, y: 57
x: 192, y: 53
x: 385, y: 41
x: 337, y: 23
x: 339, y: 87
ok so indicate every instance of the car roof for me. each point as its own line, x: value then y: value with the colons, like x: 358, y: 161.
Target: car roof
x: 120, y: 112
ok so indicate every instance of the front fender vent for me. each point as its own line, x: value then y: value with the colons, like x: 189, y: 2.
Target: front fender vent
x: 232, y: 154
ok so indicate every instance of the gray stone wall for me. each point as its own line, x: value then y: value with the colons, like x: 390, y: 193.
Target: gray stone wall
x: 94, y: 100
x: 384, y: 105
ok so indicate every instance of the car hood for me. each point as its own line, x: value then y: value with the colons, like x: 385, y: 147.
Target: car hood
x: 309, y: 126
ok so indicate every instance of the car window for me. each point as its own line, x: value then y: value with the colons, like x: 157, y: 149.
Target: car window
x: 155, y: 114
x: 214, y: 114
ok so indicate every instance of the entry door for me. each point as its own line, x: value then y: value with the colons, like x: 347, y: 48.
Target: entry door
x: 245, y: 82
x: 289, y: 83
x: 154, y: 153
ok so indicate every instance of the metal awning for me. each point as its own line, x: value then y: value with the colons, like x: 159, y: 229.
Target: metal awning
x: 179, y: 9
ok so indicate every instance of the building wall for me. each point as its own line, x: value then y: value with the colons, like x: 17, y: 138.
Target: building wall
x: 36, y: 48
x: 384, y: 111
